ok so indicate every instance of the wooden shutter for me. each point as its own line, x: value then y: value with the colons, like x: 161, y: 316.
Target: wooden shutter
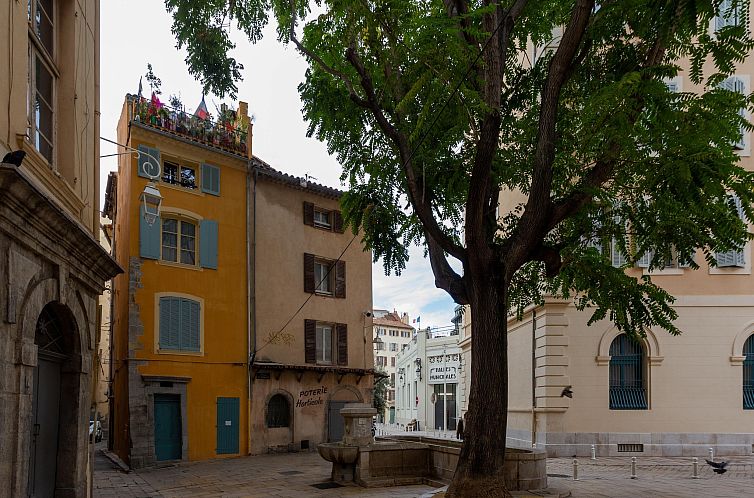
x: 733, y: 258
x: 191, y: 326
x: 337, y: 222
x: 170, y: 318
x: 164, y: 322
x: 149, y: 237
x: 208, y: 244
x: 309, y: 284
x: 310, y: 341
x: 342, y: 332
x: 210, y: 179
x: 308, y: 214
x: 147, y: 168
x: 340, y: 279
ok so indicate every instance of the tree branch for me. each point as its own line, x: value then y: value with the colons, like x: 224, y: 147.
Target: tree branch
x: 445, y: 277
x: 422, y: 206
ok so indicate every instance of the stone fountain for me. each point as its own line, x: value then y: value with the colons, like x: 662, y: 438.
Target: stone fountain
x: 358, y: 432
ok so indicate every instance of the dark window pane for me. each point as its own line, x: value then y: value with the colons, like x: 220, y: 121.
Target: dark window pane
x: 188, y: 229
x: 170, y: 173
x: 278, y: 412
x: 169, y: 254
x: 170, y: 225
x: 188, y: 177
x: 188, y: 257
x: 44, y: 25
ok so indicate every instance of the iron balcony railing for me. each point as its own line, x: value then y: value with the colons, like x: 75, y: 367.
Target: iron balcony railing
x: 748, y: 397
x: 227, y: 132
x: 628, y: 398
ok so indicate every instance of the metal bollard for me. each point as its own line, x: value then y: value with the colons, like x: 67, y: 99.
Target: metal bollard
x: 594, y: 453
x: 633, y: 467
x: 711, y: 455
x: 575, y: 470
x: 695, y: 465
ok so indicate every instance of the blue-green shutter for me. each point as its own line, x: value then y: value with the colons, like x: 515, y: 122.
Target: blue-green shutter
x: 188, y: 338
x: 149, y: 237
x: 228, y: 416
x: 208, y: 244
x: 144, y: 159
x: 210, y: 179
x: 169, y: 323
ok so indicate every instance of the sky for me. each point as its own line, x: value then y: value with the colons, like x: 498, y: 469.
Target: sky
x: 137, y: 32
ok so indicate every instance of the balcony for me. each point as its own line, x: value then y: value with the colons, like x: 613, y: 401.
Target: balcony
x: 628, y: 398
x: 229, y: 132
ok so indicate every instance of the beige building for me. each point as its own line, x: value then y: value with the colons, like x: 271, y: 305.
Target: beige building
x: 394, y: 334
x: 670, y: 396
x: 52, y: 268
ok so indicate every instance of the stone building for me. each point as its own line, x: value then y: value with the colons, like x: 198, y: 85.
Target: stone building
x: 52, y: 266
x: 668, y: 396
x: 238, y: 329
x: 394, y: 334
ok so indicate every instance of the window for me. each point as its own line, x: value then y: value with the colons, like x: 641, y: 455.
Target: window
x: 179, y: 324
x: 322, y: 276
x: 41, y: 15
x: 324, y: 344
x: 730, y: 16
x: 393, y: 346
x: 627, y: 389
x: 392, y: 361
x: 322, y: 218
x: 735, y: 257
x: 178, y: 174
x: 736, y: 85
x: 392, y: 377
x: 749, y: 373
x: 380, y: 346
x: 179, y: 241
x: 278, y: 412
x: 674, y: 261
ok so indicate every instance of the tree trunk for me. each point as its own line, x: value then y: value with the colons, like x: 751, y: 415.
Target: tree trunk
x: 480, y: 465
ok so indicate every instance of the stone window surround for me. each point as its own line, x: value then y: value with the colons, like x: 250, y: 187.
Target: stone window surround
x: 156, y: 334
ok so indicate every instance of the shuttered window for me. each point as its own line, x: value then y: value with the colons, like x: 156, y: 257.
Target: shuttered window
x: 734, y: 84
x: 736, y: 257
x: 324, y: 219
x: 627, y: 388
x: 325, y: 343
x: 323, y: 276
x: 749, y: 373
x: 728, y: 15
x: 210, y: 179
x: 180, y: 326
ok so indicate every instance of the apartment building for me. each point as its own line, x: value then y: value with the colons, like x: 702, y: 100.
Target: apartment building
x: 52, y: 267
x: 667, y: 396
x: 392, y: 334
x: 240, y: 325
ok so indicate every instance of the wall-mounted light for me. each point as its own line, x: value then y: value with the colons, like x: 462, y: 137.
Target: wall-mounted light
x: 152, y: 200
x: 418, y: 362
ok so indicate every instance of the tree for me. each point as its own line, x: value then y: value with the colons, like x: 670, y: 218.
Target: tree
x: 379, y: 391
x: 439, y: 114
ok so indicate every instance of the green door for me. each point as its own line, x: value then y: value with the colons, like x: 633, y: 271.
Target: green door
x: 227, y: 425
x: 167, y: 427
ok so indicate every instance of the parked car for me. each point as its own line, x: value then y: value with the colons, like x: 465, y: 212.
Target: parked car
x: 97, y: 434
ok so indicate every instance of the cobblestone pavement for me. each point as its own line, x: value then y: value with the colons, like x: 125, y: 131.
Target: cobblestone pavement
x: 294, y: 475
x: 656, y: 477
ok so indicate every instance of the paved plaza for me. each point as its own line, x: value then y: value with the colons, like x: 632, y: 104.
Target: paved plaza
x: 296, y: 475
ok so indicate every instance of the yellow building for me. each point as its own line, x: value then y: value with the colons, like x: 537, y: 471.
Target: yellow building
x: 207, y: 316
x: 180, y: 320
x: 52, y: 268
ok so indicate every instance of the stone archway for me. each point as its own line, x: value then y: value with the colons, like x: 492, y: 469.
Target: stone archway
x: 55, y: 420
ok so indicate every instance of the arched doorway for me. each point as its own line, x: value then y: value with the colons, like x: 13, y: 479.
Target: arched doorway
x: 54, y: 333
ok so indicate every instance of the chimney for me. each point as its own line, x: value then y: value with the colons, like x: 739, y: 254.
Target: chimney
x: 404, y: 318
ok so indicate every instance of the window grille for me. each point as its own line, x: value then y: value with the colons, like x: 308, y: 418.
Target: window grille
x: 627, y: 389
x: 749, y: 374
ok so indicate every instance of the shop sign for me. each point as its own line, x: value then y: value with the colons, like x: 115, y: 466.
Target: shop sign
x: 311, y: 397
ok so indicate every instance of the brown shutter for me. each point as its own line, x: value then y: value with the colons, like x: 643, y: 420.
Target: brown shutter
x: 340, y: 279
x: 337, y: 222
x: 308, y: 213
x: 309, y: 285
x: 342, y: 329
x: 310, y: 341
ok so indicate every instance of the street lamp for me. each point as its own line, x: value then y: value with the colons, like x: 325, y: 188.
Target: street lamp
x: 376, y: 344
x: 419, y: 368
x: 151, y: 199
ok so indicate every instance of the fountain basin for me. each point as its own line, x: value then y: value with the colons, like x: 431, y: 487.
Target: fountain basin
x: 338, y: 452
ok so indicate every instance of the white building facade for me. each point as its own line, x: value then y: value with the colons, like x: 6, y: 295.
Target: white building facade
x: 428, y: 389
x: 392, y: 333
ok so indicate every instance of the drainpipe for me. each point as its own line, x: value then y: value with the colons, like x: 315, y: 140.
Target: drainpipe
x: 251, y: 317
x: 533, y: 378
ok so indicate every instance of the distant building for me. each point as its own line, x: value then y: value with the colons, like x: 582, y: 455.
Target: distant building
x: 394, y: 334
x: 428, y: 388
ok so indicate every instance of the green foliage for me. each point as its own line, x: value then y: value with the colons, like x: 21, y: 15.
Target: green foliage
x: 154, y: 82
x: 673, y: 166
x: 379, y: 391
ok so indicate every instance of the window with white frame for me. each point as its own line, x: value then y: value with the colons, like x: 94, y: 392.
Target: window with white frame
x: 322, y: 218
x: 731, y: 13
x: 179, y: 241
x: 41, y: 78
x: 737, y: 84
x: 324, y: 343
x: 323, y: 277
x: 735, y: 258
